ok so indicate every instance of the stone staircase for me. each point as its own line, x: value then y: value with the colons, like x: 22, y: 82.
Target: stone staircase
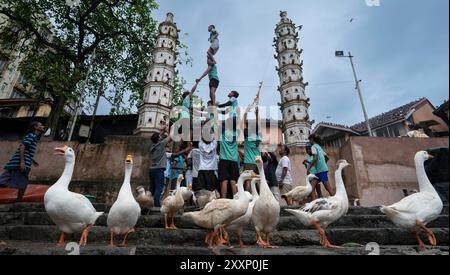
x: 26, y: 229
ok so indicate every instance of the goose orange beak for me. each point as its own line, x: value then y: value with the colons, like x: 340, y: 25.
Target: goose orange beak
x: 430, y: 156
x: 129, y: 159
x: 61, y: 151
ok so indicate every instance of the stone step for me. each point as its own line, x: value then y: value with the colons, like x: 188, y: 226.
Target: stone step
x: 136, y: 248
x: 157, y: 221
x: 101, y: 207
x: 195, y: 237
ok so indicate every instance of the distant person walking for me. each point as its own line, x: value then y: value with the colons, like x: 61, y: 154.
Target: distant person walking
x: 18, y: 168
x: 319, y: 166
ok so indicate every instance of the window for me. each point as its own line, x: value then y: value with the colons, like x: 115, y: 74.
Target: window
x: 3, y: 63
x: 394, y: 131
x: 17, y: 94
x: 31, y: 110
x: 21, y: 80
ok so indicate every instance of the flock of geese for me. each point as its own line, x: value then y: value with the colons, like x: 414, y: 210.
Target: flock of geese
x: 74, y: 213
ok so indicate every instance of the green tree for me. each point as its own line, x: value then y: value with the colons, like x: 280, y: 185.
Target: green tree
x: 58, y: 42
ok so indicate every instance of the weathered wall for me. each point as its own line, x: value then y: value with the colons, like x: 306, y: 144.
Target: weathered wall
x: 385, y: 166
x: 99, y: 168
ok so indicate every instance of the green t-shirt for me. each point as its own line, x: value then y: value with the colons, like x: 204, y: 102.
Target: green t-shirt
x: 229, y: 147
x: 252, y: 147
x: 321, y: 164
x: 213, y: 73
x: 186, y: 105
x: 309, y: 160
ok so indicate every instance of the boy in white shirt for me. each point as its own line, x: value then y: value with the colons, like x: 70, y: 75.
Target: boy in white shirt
x: 284, y: 173
x: 207, y: 179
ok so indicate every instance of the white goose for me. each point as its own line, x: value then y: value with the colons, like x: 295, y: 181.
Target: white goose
x: 417, y: 210
x: 322, y: 212
x: 203, y: 197
x: 125, y: 212
x: 240, y: 223
x: 187, y: 193
x: 172, y: 204
x: 301, y: 192
x: 144, y: 198
x: 71, y: 212
x: 266, y: 212
x: 219, y: 213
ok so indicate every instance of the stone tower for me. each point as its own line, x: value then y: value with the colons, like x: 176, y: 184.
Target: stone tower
x: 294, y: 103
x: 159, y: 88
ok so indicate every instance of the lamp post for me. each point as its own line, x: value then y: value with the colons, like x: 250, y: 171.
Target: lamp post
x: 358, y: 88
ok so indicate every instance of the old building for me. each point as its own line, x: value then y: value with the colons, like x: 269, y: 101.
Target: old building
x: 18, y: 98
x: 158, y: 92
x: 394, y: 123
x: 294, y: 103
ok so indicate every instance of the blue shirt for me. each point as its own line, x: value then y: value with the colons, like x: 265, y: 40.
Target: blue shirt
x: 30, y: 143
x: 179, y: 163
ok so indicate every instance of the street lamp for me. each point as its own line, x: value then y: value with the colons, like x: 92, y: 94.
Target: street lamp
x: 358, y: 88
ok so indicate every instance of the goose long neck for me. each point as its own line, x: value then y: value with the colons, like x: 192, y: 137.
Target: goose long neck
x: 240, y: 186
x: 178, y: 185
x: 340, y: 187
x: 66, y: 176
x: 264, y: 188
x: 422, y: 178
x: 125, y: 190
x: 253, y: 186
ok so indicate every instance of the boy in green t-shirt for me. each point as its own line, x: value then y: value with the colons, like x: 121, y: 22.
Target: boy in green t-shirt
x: 252, y: 142
x: 319, y: 163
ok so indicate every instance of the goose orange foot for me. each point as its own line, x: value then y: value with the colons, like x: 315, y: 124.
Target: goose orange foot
x: 123, y: 243
x: 84, y: 235
x: 419, y: 240
x: 61, y: 241
x: 260, y: 241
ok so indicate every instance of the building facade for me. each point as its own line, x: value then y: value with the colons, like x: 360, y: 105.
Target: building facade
x: 394, y: 123
x: 19, y: 99
x: 159, y: 88
x: 294, y: 102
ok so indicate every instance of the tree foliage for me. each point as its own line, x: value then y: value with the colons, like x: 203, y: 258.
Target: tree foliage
x: 62, y: 45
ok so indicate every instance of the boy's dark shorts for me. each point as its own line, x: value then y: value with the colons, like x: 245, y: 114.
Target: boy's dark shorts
x: 206, y: 180
x: 228, y: 170
x: 323, y: 177
x: 213, y: 83
x: 15, y: 179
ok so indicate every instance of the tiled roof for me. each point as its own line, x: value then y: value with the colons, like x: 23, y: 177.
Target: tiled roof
x: 392, y: 116
x: 333, y: 125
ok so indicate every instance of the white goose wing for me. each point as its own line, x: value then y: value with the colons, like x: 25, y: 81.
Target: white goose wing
x: 220, y: 209
x: 77, y: 208
x: 414, y: 203
x: 320, y: 205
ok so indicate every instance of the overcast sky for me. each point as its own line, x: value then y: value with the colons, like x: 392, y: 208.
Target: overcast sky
x: 401, y: 50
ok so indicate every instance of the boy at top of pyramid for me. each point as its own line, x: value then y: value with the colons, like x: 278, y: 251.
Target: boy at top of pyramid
x: 211, y: 71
